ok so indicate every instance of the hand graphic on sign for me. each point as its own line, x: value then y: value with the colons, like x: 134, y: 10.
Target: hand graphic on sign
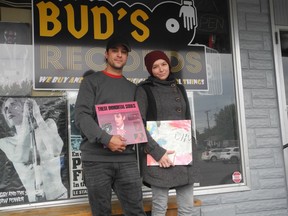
x: 189, y: 14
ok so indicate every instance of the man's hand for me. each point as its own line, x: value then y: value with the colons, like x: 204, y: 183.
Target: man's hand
x: 165, y: 161
x: 117, y: 143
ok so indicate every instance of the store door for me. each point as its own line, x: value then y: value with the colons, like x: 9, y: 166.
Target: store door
x: 281, y: 38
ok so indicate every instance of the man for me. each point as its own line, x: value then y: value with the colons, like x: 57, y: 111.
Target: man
x: 107, y: 162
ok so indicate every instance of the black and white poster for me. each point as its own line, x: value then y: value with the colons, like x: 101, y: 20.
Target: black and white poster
x: 33, y: 150
x: 16, y: 64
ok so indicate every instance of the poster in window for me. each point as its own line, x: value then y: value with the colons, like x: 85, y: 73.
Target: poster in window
x: 173, y: 135
x: 66, y: 48
x: 15, y: 59
x: 77, y: 185
x: 33, y: 149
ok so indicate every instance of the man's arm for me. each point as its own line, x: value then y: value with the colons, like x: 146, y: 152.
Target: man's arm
x: 85, y: 114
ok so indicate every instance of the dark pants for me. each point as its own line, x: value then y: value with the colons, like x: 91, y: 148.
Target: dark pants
x: 123, y: 178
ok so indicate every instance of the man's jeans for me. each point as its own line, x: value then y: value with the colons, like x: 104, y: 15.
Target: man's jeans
x: 124, y: 178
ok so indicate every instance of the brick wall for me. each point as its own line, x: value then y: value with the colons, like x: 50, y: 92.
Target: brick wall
x: 268, y: 194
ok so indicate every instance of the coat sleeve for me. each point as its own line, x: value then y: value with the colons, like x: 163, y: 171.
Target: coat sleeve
x: 152, y: 147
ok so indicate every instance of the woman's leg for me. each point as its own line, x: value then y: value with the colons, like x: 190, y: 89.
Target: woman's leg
x: 185, y: 200
x: 159, y: 200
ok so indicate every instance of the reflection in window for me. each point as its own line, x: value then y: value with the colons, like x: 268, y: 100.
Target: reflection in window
x: 215, y: 110
x: 217, y: 130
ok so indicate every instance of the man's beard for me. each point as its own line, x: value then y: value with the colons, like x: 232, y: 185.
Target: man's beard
x: 116, y: 67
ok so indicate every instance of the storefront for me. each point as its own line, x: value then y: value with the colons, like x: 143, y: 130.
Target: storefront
x: 230, y: 56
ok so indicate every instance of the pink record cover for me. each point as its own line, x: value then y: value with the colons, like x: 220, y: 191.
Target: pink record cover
x: 122, y: 119
x: 172, y: 135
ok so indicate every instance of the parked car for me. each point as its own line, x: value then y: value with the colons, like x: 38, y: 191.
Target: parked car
x: 211, y: 155
x: 230, y: 154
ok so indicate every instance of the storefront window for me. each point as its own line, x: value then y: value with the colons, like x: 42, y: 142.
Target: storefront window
x: 216, y: 118
x: 217, y: 130
x: 202, y: 59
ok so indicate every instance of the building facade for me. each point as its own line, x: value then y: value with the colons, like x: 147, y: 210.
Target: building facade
x: 255, y: 57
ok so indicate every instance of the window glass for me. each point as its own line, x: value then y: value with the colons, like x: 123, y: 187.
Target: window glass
x: 216, y: 119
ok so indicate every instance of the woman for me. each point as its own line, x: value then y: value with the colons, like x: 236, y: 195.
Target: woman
x: 34, y: 149
x: 160, y: 98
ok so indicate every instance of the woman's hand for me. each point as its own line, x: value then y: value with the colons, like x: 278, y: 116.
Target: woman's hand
x: 165, y: 161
